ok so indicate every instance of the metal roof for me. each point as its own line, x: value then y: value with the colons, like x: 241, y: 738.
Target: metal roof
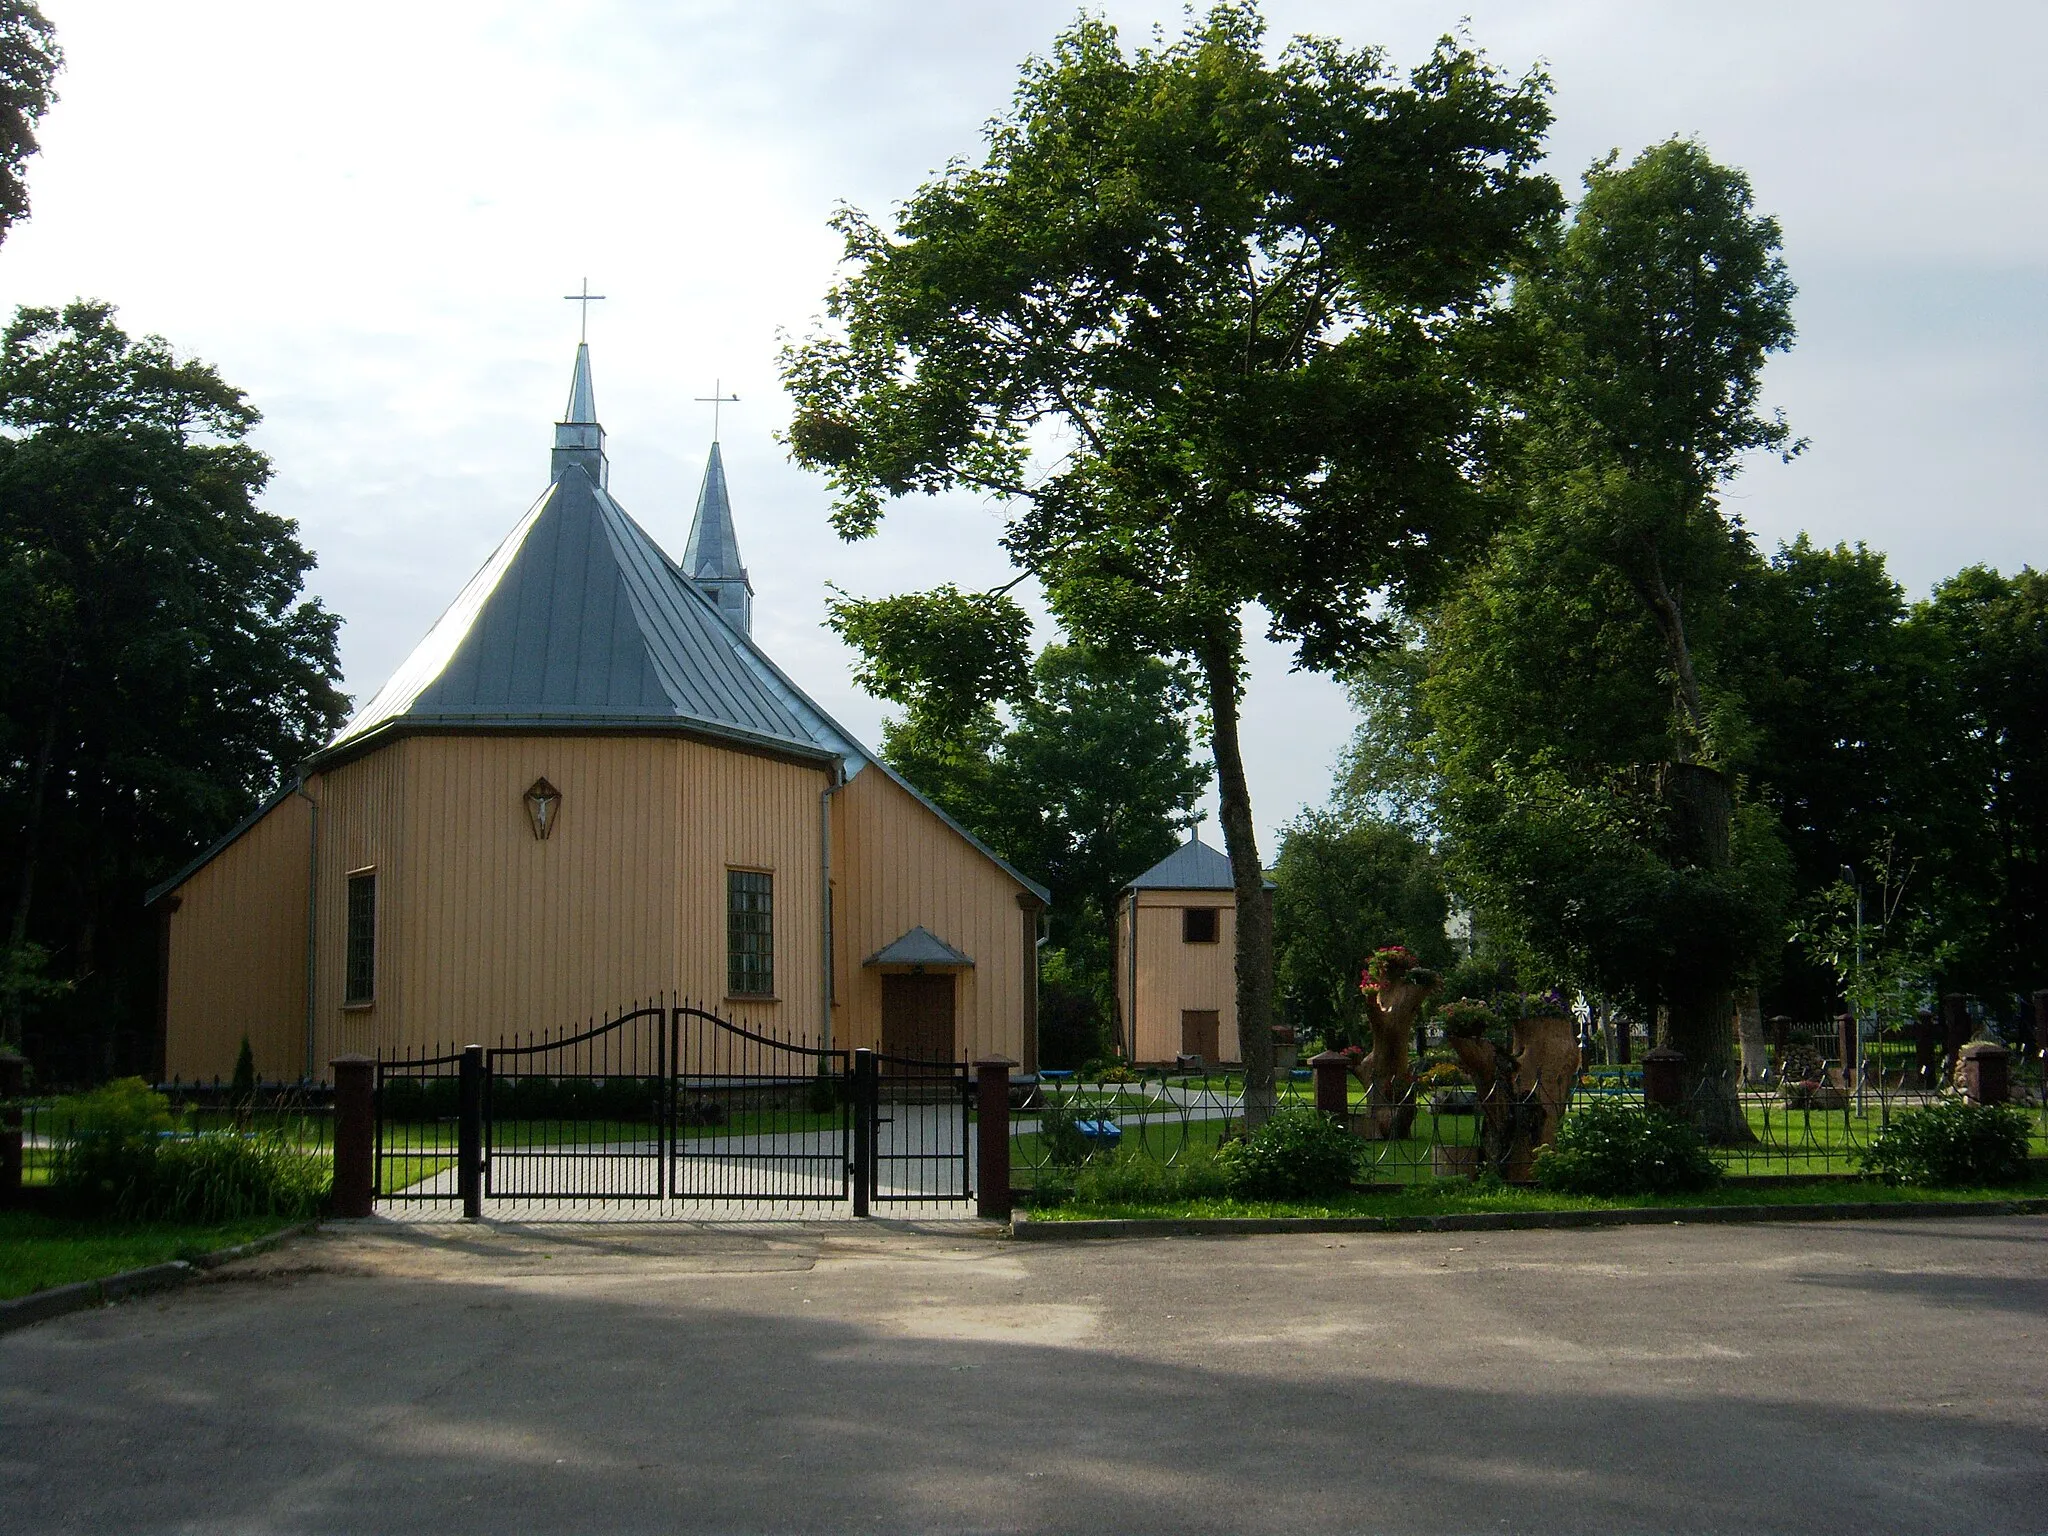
x: 579, y: 621
x: 1193, y: 866
x: 920, y: 946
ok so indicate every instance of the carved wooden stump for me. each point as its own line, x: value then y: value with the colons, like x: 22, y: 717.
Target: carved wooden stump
x: 1547, y: 1061
x: 1386, y: 1071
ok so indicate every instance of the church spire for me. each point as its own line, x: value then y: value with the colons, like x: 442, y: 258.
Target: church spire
x: 579, y: 440
x: 712, y: 557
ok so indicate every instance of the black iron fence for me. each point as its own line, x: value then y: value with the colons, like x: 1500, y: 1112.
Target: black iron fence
x: 300, y: 1116
x: 1813, y: 1126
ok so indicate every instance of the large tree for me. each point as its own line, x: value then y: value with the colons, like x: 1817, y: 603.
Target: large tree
x: 1989, y: 744
x: 160, y: 670
x: 1653, y: 319
x: 1211, y: 326
x: 29, y: 60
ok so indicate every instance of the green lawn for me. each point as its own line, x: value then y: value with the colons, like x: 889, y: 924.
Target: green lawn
x: 1447, y: 1198
x: 37, y: 1252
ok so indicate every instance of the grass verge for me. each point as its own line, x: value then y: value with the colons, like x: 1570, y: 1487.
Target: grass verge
x: 37, y: 1251
x: 1458, y: 1201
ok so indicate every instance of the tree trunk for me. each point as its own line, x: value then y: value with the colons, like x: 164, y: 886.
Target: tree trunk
x: 1248, y: 877
x: 1507, y: 1123
x: 1749, y: 1027
x: 24, y: 896
x: 1701, y: 1012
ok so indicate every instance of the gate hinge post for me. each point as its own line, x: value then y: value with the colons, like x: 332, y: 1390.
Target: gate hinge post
x: 355, y: 1135
x: 992, y: 1140
x: 469, y: 1136
x: 865, y: 1097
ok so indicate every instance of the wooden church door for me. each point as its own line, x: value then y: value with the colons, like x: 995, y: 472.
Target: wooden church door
x: 917, y: 1017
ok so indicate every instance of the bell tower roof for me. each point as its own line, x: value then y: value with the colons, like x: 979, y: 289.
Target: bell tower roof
x: 579, y: 440
x: 712, y: 556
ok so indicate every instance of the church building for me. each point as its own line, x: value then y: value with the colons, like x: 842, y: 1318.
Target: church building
x: 588, y: 786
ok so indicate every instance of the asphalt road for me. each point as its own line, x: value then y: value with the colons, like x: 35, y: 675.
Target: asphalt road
x: 1869, y: 1377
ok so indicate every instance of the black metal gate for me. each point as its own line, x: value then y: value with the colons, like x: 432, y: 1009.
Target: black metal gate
x: 757, y: 1118
x: 673, y: 1102
x: 916, y: 1128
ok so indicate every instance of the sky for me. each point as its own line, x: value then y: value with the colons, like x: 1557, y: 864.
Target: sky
x: 365, y: 216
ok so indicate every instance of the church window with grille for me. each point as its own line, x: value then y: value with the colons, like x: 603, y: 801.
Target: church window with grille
x: 749, y: 933
x: 359, y: 969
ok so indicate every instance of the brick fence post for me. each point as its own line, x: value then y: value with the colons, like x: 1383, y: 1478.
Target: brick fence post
x: 1333, y: 1083
x: 992, y: 1141
x: 355, y: 1135
x: 1987, y: 1073
x: 1664, y: 1078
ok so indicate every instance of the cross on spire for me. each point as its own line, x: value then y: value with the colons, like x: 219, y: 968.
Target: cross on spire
x: 586, y: 298
x: 715, y: 399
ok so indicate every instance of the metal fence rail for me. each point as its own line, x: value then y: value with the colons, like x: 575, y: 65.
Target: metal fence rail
x: 1172, y: 1117
x: 671, y: 1101
x: 582, y: 1116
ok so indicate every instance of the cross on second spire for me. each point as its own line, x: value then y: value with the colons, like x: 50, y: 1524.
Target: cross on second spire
x: 716, y: 399
x: 586, y: 298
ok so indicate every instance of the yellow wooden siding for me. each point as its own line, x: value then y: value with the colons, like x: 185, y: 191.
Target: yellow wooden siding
x: 498, y: 934
x: 485, y: 933
x: 360, y: 806
x: 237, y: 955
x: 1173, y: 974
x: 897, y: 866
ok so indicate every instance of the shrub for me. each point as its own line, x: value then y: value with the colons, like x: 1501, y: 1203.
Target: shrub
x: 118, y: 1158
x: 1611, y: 1147
x: 1952, y: 1142
x: 222, y: 1176
x: 1058, y: 1134
x: 1132, y: 1178
x: 1298, y: 1154
x: 106, y: 1149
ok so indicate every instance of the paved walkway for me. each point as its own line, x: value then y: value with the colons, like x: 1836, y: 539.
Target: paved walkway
x: 493, y: 1377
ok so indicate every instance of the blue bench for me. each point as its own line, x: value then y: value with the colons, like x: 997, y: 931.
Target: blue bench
x: 1105, y: 1133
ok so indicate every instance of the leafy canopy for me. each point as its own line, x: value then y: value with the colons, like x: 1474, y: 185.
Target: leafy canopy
x: 160, y: 668
x: 29, y: 61
x: 1210, y: 323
